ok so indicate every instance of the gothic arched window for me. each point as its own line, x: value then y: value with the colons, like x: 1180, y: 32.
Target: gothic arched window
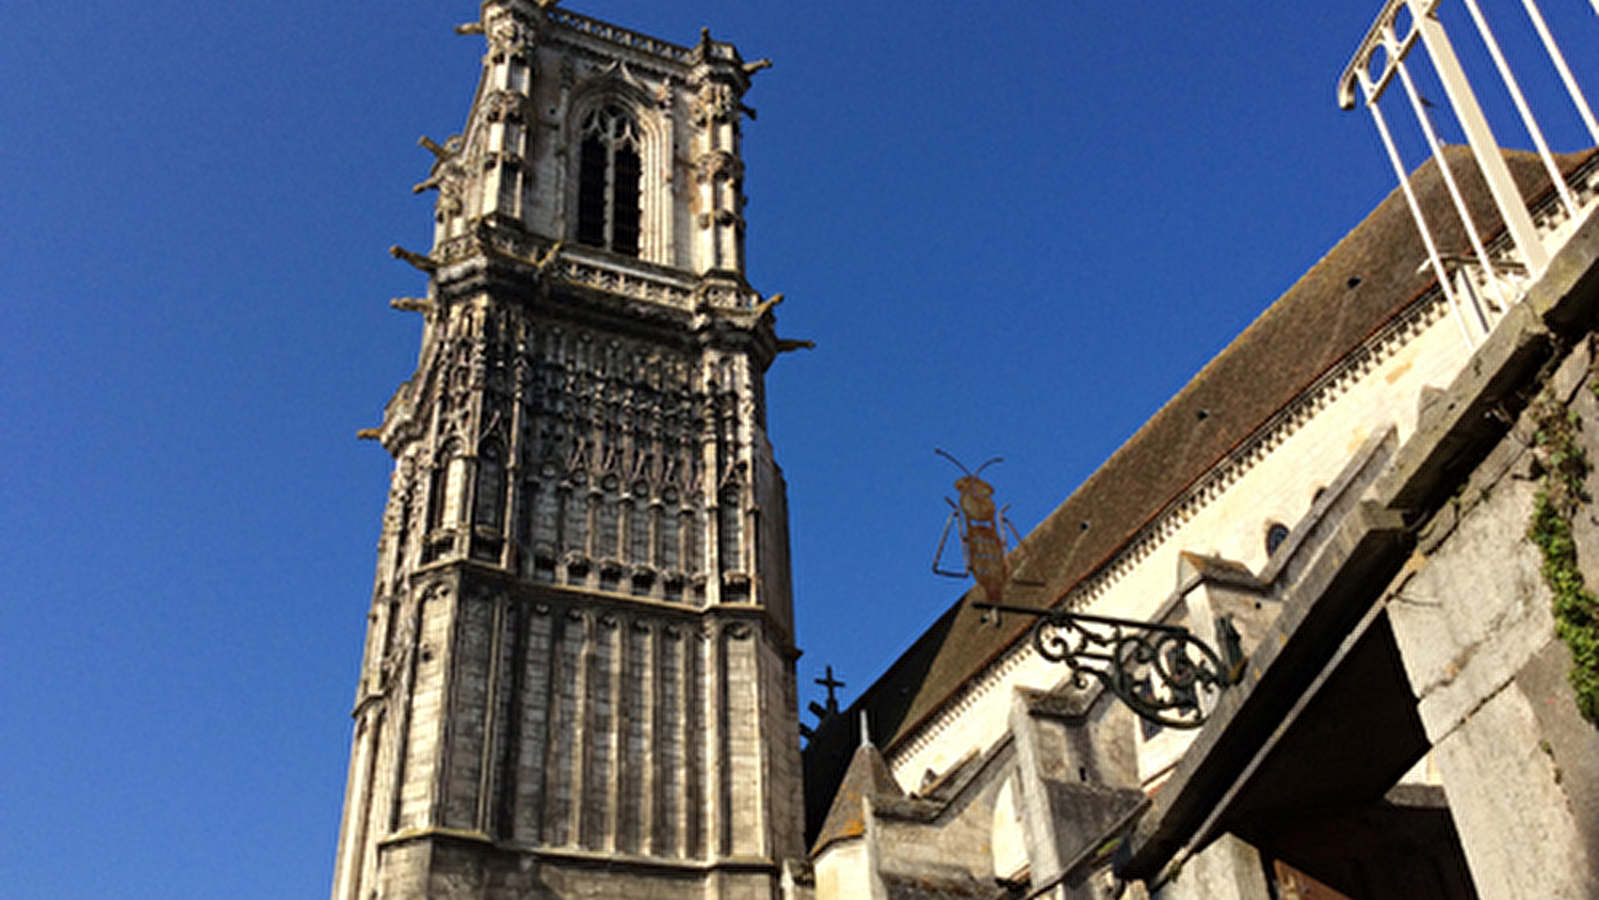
x: 729, y: 518
x: 447, y: 488
x: 609, y: 173
x: 489, y: 498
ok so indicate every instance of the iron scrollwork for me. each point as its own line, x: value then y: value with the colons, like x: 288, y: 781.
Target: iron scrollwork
x: 1162, y: 672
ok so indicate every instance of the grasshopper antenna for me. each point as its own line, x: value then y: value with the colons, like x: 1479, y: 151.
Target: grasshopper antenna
x: 952, y: 459
x: 997, y: 459
x: 962, y: 466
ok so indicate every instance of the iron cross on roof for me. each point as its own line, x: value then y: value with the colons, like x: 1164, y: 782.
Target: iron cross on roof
x: 831, y: 684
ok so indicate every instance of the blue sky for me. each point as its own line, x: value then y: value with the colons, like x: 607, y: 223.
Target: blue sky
x: 1012, y: 230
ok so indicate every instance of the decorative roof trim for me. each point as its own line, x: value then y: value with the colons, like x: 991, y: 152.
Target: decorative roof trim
x: 622, y: 37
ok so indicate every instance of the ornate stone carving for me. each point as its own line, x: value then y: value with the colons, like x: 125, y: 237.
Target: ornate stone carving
x: 714, y: 102
x: 506, y: 106
x: 446, y: 176
x: 509, y: 37
x: 399, y: 649
x: 719, y: 165
x: 614, y: 34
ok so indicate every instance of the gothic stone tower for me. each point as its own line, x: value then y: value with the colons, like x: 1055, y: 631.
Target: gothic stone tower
x: 578, y: 677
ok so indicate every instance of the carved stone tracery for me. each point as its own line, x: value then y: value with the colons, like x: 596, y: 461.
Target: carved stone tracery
x: 579, y: 455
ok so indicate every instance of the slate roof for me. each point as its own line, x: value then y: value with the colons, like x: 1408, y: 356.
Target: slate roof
x: 1366, y: 280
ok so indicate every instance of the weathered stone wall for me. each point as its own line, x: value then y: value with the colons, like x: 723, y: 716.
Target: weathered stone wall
x: 1473, y: 622
x: 781, y: 793
x: 446, y: 867
x: 1228, y: 869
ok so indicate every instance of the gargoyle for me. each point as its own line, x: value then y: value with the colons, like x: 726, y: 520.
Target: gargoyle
x: 445, y: 163
x: 548, y: 258
x: 765, y: 306
x: 414, y: 304
x: 451, y: 147
x: 420, y: 261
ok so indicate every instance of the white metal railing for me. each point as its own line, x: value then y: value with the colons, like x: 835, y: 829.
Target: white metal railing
x: 1482, y: 286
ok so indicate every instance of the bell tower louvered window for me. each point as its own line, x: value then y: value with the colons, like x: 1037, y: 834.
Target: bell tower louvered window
x: 609, y: 171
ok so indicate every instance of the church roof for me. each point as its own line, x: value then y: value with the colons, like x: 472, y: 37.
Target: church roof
x: 866, y: 777
x: 1362, y: 284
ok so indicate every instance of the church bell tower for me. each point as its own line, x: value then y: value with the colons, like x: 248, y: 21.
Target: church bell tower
x: 579, y: 666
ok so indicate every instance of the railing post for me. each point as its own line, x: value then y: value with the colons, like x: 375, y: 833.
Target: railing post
x: 1480, y: 137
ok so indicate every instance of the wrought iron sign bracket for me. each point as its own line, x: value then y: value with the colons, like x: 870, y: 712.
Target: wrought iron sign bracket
x: 1162, y: 672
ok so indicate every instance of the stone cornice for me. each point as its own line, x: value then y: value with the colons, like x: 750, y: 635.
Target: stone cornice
x: 556, y: 597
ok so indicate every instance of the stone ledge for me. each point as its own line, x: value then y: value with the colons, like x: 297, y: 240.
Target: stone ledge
x: 1460, y: 425
x: 1368, y: 548
x: 586, y: 858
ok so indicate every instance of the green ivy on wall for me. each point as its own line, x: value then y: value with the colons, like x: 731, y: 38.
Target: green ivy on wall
x: 1576, y: 609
